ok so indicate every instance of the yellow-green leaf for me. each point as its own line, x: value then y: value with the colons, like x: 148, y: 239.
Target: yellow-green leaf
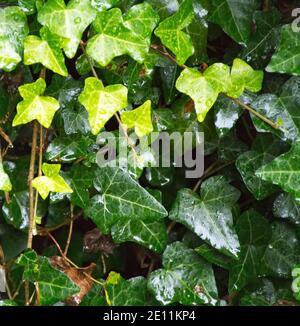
x: 45, y: 50
x: 102, y: 102
x: 140, y: 119
x: 50, y: 181
x: 34, y: 106
x: 5, y: 183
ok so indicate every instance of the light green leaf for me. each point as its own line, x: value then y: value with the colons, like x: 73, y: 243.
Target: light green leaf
x: 34, y: 105
x: 296, y: 282
x: 286, y: 60
x: 186, y: 278
x: 51, y: 181
x: 121, y: 198
x: 235, y: 17
x: 244, y: 77
x: 102, y: 5
x: 140, y: 119
x: 117, y: 35
x: 284, y: 171
x: 171, y: 34
x: 45, y: 50
x: 254, y: 233
x: 54, y: 285
x: 69, y: 22
x: 102, y: 102
x: 209, y: 216
x: 13, y: 30
x: 5, y: 183
x: 191, y: 81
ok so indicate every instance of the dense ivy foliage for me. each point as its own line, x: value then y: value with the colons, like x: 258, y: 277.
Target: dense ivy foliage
x: 78, y: 233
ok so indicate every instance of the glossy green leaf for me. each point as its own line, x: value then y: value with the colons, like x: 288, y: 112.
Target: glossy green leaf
x: 262, y: 43
x: 209, y: 216
x: 214, y: 256
x: 282, y: 252
x: 54, y: 285
x: 13, y: 30
x: 254, y: 233
x: 121, y: 198
x: 287, y: 59
x: 50, y: 181
x: 235, y: 17
x: 45, y: 50
x: 102, y: 5
x: 117, y: 35
x: 281, y: 109
x: 102, y: 102
x: 284, y: 171
x: 264, y: 150
x: 68, y: 21
x: 286, y: 207
x: 171, y: 34
x: 140, y: 119
x: 34, y: 105
x: 185, y: 278
x: 152, y: 235
x: 5, y: 183
x: 132, y: 292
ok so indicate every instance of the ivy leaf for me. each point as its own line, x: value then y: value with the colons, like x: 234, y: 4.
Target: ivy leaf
x: 286, y: 207
x: 209, y: 216
x: 171, y: 34
x: 284, y: 171
x: 51, y: 181
x: 132, y: 292
x: 140, y: 119
x: 69, y: 22
x: 117, y: 35
x: 264, y: 150
x: 45, y: 50
x: 102, y: 102
x: 234, y: 17
x: 171, y: 284
x: 34, y: 106
x: 281, y: 109
x: 121, y: 198
x: 254, y: 233
x: 286, y: 60
x: 152, y: 235
x: 244, y: 77
x: 102, y: 5
x: 13, y: 30
x: 5, y: 183
x: 66, y: 149
x: 282, y: 252
x: 263, y: 41
x: 214, y: 256
x: 211, y: 83
x: 54, y: 285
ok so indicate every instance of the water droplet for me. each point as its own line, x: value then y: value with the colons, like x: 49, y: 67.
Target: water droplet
x: 77, y: 20
x: 16, y: 18
x: 270, y: 246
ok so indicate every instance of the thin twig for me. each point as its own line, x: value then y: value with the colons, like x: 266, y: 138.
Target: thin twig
x: 165, y: 54
x: 30, y: 178
x: 6, y: 138
x: 70, y: 230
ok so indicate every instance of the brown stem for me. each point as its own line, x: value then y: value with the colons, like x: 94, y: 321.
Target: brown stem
x: 6, y: 138
x: 30, y: 178
x: 70, y: 230
x: 164, y: 53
